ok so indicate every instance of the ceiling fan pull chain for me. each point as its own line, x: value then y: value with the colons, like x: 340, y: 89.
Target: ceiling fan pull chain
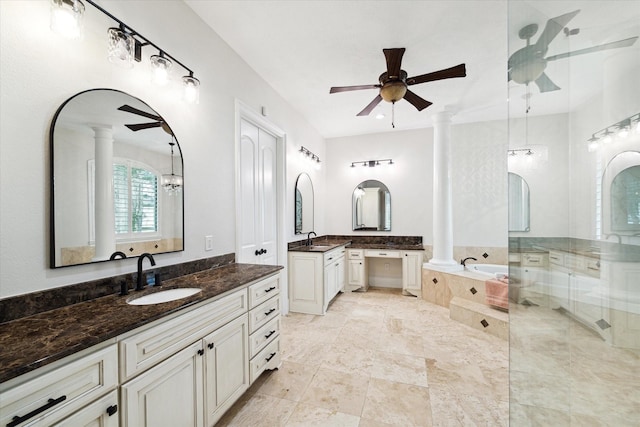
x: 393, y: 115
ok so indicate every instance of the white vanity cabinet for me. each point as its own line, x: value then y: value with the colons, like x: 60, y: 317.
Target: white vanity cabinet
x: 357, y: 275
x: 315, y: 278
x: 70, y: 392
x: 412, y: 273
x: 264, y: 327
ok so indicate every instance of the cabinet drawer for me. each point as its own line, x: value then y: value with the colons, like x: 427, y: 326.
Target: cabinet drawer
x: 592, y: 267
x: 62, y: 391
x: 533, y: 260
x: 333, y: 255
x: 149, y: 347
x: 264, y: 335
x: 382, y: 253
x: 263, y: 290
x: 513, y: 257
x: 556, y: 258
x: 355, y: 253
x: 574, y: 262
x: 103, y: 412
x: 263, y: 313
x: 269, y: 358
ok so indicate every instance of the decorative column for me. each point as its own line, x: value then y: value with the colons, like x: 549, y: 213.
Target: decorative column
x: 442, y: 211
x: 104, y: 214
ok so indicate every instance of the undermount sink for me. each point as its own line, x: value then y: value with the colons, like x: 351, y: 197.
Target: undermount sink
x: 164, y: 296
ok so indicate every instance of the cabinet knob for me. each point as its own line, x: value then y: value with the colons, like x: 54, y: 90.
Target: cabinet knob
x: 112, y: 409
x: 210, y: 345
x: 200, y: 352
x: 257, y: 252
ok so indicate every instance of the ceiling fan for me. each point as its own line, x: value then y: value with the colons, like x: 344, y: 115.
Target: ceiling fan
x: 159, y: 122
x: 528, y: 64
x: 394, y: 82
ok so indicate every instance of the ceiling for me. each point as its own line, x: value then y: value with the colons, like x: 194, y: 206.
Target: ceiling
x: 302, y: 48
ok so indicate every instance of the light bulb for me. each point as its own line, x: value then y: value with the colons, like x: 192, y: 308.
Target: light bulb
x: 160, y: 67
x: 191, y: 89
x: 67, y: 18
x: 120, y: 47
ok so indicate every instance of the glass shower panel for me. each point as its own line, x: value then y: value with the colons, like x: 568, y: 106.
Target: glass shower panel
x: 574, y: 97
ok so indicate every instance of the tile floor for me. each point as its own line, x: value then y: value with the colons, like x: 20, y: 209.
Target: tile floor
x: 380, y: 359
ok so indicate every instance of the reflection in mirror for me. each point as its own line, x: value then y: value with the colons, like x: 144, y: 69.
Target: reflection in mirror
x: 518, y: 203
x: 116, y: 187
x: 371, y: 207
x: 304, y: 204
x: 621, y: 194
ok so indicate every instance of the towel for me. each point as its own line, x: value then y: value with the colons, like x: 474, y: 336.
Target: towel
x: 497, y: 292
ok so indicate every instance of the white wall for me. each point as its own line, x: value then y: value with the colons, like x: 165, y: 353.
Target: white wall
x: 479, y: 189
x: 39, y: 70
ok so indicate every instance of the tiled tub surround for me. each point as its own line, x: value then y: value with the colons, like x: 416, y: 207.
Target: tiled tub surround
x: 31, y: 342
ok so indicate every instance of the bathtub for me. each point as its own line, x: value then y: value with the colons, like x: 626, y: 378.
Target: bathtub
x: 488, y: 270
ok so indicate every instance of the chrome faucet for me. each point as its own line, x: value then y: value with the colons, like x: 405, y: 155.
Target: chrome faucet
x: 606, y: 236
x: 140, y: 284
x: 463, y: 262
x: 309, y: 242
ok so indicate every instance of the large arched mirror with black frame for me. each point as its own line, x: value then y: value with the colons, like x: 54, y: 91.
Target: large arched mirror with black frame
x: 116, y: 180
x: 304, y: 205
x: 371, y: 207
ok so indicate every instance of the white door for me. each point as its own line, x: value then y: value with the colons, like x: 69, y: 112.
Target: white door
x: 258, y: 195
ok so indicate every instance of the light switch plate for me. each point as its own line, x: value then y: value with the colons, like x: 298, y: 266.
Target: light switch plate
x: 208, y: 243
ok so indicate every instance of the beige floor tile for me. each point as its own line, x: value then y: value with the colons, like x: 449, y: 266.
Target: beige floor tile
x: 306, y: 415
x: 259, y: 410
x: 287, y: 382
x: 337, y: 391
x: 397, y: 404
x: 451, y: 409
x: 364, y: 422
x: 400, y: 368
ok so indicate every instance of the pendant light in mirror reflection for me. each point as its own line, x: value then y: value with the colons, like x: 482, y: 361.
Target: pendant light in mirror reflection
x: 124, y: 45
x: 67, y: 18
x: 172, y: 183
x: 372, y: 163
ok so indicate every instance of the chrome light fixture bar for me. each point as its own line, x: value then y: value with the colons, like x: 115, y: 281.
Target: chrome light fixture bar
x: 371, y: 163
x: 525, y: 151
x: 309, y: 155
x: 125, y: 44
x: 615, y: 131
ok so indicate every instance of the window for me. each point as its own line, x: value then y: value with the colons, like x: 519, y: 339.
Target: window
x: 625, y: 200
x: 135, y: 200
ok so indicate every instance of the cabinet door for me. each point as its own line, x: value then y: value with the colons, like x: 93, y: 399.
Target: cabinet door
x: 356, y: 273
x: 330, y: 283
x: 167, y: 395
x: 101, y: 413
x: 412, y: 273
x: 306, y: 292
x: 226, y: 367
x: 340, y: 276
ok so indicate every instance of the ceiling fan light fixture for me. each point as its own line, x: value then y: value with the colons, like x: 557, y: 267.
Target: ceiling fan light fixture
x: 191, y: 89
x: 393, y: 91
x: 120, y: 47
x: 67, y: 18
x: 171, y: 182
x: 160, y: 69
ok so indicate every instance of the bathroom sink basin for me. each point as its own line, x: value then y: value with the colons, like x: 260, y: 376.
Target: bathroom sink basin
x: 164, y: 296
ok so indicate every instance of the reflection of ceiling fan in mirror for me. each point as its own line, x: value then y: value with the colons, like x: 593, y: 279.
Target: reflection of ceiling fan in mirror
x: 141, y: 126
x: 529, y: 63
x: 394, y: 82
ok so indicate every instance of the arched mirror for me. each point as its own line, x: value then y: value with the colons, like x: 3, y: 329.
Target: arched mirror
x: 303, y: 204
x: 518, y: 203
x: 621, y: 194
x: 116, y: 180
x: 371, y: 207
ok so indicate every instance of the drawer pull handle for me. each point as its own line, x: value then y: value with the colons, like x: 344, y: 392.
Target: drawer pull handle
x: 270, y: 289
x: 269, y: 312
x: 270, y: 357
x: 593, y: 268
x: 382, y: 254
x: 269, y: 334
x: 211, y: 345
x: 50, y: 404
x: 112, y: 409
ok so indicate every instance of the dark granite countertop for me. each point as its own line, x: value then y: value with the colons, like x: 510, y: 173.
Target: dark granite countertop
x: 387, y: 246
x: 320, y: 245
x: 35, y: 341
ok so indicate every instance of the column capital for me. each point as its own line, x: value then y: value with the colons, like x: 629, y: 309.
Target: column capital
x: 442, y: 117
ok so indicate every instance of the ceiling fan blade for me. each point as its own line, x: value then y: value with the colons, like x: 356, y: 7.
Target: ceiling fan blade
x: 447, y: 73
x: 130, y: 109
x: 545, y: 84
x: 142, y: 126
x: 349, y: 88
x: 552, y: 28
x: 371, y: 106
x: 416, y: 101
x: 612, y: 45
x: 394, y: 61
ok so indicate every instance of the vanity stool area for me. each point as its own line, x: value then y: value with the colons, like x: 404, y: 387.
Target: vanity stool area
x: 321, y: 268
x: 110, y: 363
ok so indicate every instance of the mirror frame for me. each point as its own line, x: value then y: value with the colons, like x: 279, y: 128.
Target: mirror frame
x: 295, y: 205
x: 354, y: 206
x: 525, y: 214
x: 52, y: 206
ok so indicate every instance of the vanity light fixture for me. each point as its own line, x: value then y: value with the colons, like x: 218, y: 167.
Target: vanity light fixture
x: 313, y: 158
x: 172, y: 183
x: 67, y: 18
x: 372, y: 163
x: 526, y: 151
x: 124, y: 44
x: 620, y: 130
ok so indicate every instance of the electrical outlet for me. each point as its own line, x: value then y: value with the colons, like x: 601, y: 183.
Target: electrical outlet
x: 208, y: 243
x: 386, y: 266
